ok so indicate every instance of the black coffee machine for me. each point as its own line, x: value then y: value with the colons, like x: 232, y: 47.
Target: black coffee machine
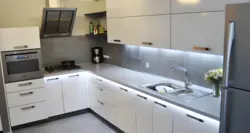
x: 97, y: 55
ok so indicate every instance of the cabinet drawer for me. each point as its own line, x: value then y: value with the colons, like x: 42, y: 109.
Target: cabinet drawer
x: 26, y: 97
x: 24, y: 85
x: 28, y: 113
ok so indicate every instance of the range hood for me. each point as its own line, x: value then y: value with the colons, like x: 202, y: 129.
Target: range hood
x: 57, y: 20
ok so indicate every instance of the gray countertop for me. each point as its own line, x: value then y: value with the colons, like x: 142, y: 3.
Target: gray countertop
x: 207, y: 106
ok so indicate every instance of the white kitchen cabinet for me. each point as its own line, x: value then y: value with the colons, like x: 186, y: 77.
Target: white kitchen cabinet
x: 126, y: 111
x: 144, y: 114
x: 198, y: 32
x: 150, y: 31
x: 189, y: 122
x: 123, y: 31
x: 74, y: 92
x: 153, y: 31
x: 162, y: 118
x: 185, y: 6
x: 54, y: 95
x: 28, y: 113
x: 19, y: 38
x: 24, y: 85
x: 125, y: 8
x: 26, y: 97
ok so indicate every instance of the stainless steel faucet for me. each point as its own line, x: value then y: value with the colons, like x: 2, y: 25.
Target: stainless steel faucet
x: 186, y: 79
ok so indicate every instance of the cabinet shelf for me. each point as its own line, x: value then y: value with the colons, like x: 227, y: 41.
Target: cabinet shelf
x: 96, y: 14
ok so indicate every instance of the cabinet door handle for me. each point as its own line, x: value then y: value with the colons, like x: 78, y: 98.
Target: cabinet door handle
x: 142, y: 97
x: 20, y: 47
x: 147, y: 43
x: 100, y: 102
x: 201, y: 48
x: 25, y: 84
x: 71, y: 76
x: 27, y: 93
x: 117, y: 40
x: 99, y: 79
x: 52, y: 79
x: 195, y: 118
x: 29, y: 107
x: 123, y: 89
x: 161, y: 104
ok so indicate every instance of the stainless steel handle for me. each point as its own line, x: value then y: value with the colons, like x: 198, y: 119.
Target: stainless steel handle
x: 147, y: 43
x: 71, y: 76
x: 201, y: 48
x: 142, y: 97
x: 228, y: 53
x: 52, y: 79
x: 27, y: 93
x: 20, y: 47
x: 195, y: 118
x: 100, y: 102
x: 117, y: 40
x: 98, y: 79
x: 25, y: 84
x: 29, y: 107
x: 161, y: 104
x: 223, y: 112
x: 123, y: 89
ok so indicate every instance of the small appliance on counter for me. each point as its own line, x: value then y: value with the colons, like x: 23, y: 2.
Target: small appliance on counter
x: 97, y: 55
x: 65, y: 65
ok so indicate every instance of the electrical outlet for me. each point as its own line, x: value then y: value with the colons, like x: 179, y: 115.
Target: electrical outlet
x: 147, y: 65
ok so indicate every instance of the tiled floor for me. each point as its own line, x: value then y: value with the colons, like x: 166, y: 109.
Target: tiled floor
x: 86, y: 123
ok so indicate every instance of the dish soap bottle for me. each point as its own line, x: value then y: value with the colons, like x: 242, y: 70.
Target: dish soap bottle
x: 91, y: 27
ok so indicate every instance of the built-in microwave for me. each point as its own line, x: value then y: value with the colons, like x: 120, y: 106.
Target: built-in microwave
x: 22, y: 65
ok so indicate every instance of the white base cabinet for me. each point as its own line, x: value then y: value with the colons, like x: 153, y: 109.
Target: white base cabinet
x: 162, y: 118
x: 144, y: 115
x: 74, y: 92
x: 28, y: 113
x: 126, y: 111
x: 186, y: 122
x: 53, y: 87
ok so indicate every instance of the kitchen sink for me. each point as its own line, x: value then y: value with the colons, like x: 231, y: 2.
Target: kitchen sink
x: 170, y: 85
x: 179, y: 92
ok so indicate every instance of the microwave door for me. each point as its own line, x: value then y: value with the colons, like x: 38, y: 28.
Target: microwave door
x: 22, y: 66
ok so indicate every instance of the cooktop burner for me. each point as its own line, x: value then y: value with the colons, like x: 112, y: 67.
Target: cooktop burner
x: 61, y: 68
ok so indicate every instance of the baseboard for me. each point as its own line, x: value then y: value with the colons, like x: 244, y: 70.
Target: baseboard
x: 116, y: 129
x: 54, y: 118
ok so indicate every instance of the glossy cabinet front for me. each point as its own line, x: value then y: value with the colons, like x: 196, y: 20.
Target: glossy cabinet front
x: 191, y: 6
x: 198, y: 32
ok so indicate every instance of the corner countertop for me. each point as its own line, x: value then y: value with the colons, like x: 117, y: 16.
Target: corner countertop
x: 208, y: 106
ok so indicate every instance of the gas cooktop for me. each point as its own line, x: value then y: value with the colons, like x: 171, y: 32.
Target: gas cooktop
x: 51, y: 69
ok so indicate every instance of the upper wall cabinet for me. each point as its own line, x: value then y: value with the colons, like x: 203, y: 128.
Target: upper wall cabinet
x: 198, y: 32
x: 19, y: 38
x: 152, y: 31
x: 184, y: 6
x: 124, y: 8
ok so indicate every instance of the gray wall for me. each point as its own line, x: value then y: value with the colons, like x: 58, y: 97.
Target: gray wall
x: 160, y: 61
x: 55, y: 50
x: 77, y: 48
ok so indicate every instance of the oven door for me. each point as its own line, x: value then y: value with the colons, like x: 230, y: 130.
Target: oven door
x: 22, y: 65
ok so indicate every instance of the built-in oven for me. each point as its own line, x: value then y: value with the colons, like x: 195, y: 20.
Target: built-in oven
x: 22, y: 65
